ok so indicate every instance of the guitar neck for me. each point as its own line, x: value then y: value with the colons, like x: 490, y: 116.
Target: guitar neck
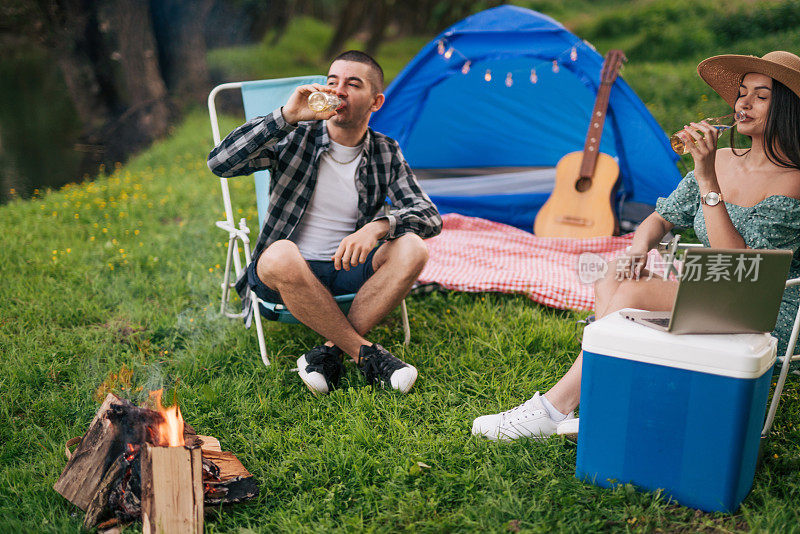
x: 592, y: 146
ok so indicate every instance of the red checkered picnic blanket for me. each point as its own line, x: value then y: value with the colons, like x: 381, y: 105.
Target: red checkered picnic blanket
x: 477, y: 255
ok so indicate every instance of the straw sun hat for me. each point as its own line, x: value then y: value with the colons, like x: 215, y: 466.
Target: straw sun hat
x: 725, y: 73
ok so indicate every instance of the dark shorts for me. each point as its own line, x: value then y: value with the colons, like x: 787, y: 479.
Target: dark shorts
x: 339, y: 282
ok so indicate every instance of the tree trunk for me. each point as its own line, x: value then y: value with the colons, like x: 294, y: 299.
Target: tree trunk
x: 178, y: 26
x: 380, y: 20
x: 351, y: 17
x: 9, y: 177
x: 148, y: 109
x: 70, y: 33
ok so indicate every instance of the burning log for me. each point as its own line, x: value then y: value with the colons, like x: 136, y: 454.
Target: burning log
x: 135, y: 462
x: 119, y: 493
x: 172, y: 490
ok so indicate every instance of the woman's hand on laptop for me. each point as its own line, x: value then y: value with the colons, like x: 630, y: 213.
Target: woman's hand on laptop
x: 629, y: 265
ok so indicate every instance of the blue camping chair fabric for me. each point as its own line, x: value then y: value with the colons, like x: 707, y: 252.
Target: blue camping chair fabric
x: 259, y: 98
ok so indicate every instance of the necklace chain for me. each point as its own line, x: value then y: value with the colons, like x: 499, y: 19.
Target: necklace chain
x: 351, y: 160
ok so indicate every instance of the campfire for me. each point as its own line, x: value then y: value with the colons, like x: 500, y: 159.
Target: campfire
x: 145, y: 463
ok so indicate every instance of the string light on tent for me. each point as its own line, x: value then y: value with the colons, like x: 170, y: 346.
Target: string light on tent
x: 448, y: 51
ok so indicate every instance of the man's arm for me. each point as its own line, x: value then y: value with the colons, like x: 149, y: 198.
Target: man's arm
x: 413, y: 213
x: 250, y: 147
x: 412, y: 210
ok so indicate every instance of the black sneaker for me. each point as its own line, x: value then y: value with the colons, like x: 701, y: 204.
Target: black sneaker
x: 378, y: 365
x: 320, y: 368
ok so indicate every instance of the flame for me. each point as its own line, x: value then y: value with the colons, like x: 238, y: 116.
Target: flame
x: 170, y: 431
x: 131, y: 454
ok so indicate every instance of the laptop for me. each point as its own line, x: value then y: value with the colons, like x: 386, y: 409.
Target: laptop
x: 723, y: 291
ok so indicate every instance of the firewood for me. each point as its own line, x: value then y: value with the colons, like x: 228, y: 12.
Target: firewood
x: 207, y: 443
x: 235, y: 483
x: 85, y: 469
x: 97, y: 509
x: 172, y: 490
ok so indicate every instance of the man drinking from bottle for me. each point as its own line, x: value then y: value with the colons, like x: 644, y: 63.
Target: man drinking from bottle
x: 325, y: 231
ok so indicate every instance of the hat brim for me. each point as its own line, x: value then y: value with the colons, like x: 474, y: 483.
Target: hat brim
x: 724, y: 74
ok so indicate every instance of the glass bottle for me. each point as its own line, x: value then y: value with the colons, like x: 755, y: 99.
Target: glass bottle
x: 321, y: 101
x: 720, y: 123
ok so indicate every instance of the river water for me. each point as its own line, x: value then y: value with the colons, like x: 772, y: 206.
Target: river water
x: 38, y: 126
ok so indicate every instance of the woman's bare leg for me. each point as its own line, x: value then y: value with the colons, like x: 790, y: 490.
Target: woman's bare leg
x: 610, y: 296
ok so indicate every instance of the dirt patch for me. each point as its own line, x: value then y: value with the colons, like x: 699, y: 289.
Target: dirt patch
x: 122, y: 330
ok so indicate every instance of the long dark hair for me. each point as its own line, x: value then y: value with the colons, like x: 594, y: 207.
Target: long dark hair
x: 782, y: 131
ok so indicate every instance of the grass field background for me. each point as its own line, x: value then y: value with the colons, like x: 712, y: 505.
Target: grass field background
x: 113, y: 285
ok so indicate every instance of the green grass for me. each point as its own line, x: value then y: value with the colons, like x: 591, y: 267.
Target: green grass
x: 114, y: 285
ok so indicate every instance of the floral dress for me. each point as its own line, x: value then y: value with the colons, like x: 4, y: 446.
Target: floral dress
x: 773, y: 223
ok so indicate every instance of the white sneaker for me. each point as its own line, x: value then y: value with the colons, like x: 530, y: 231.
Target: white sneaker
x: 528, y: 420
x: 379, y: 366
x: 569, y: 428
x: 320, y: 368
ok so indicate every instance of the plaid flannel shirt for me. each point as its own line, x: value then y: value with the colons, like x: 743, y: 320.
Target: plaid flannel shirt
x: 291, y: 154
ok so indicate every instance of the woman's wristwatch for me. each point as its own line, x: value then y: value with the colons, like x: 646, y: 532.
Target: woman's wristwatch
x: 712, y: 198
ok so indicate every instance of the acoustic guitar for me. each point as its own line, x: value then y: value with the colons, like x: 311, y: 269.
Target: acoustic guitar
x: 581, y: 204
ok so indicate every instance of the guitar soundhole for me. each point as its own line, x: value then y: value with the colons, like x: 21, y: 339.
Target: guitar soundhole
x: 583, y: 184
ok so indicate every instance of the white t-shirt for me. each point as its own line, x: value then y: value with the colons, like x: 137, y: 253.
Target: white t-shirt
x: 332, y: 212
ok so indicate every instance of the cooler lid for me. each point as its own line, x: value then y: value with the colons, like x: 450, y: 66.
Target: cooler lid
x: 734, y: 355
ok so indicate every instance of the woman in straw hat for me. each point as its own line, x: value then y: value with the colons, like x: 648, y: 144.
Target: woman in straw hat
x: 734, y: 198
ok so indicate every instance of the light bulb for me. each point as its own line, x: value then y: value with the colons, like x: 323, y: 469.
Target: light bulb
x: 509, y: 81
x: 449, y: 53
x: 441, y: 47
x: 465, y: 68
x: 534, y: 78
x: 573, y: 54
x: 488, y: 75
x: 555, y: 66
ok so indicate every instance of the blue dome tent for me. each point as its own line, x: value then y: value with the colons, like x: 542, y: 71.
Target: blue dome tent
x: 484, y: 112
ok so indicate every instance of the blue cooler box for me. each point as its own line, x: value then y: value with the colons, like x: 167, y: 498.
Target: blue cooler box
x: 682, y: 413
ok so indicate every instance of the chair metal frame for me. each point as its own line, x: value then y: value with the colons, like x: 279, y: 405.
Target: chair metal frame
x: 669, y: 249
x: 233, y: 260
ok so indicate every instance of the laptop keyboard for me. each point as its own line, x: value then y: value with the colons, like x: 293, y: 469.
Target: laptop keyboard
x: 659, y: 322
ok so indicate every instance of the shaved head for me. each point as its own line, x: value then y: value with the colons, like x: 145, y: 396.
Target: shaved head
x: 375, y: 70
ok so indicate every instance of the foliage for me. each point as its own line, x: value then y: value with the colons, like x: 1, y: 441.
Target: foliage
x: 299, y: 52
x: 757, y: 20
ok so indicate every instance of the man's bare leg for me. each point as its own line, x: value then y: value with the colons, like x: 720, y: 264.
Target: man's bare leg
x: 653, y: 294
x: 283, y: 269
x: 397, y: 266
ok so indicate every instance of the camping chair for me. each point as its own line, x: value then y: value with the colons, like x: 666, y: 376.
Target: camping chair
x: 261, y: 97
x: 670, y: 249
